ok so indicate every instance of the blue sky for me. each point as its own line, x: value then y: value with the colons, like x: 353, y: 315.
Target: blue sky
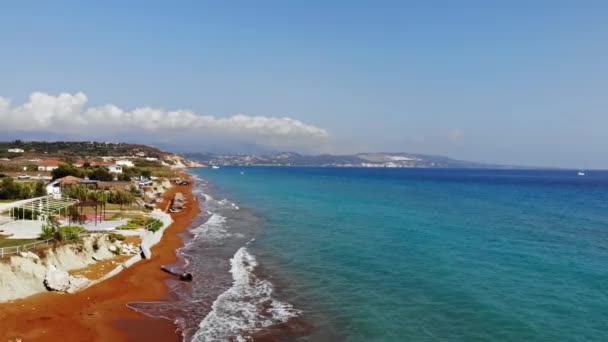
x: 520, y: 82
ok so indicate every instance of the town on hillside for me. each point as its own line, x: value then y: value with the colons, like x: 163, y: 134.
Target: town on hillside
x: 60, y: 191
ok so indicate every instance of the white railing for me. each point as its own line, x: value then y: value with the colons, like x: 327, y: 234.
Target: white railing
x: 5, y: 251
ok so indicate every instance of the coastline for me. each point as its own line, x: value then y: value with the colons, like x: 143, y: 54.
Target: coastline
x: 100, y: 312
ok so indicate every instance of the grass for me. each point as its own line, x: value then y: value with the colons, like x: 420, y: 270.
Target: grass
x: 5, y: 242
x: 7, y: 200
x: 135, y: 221
x: 109, y: 206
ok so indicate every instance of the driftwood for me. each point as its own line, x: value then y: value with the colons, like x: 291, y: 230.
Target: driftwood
x: 185, y: 276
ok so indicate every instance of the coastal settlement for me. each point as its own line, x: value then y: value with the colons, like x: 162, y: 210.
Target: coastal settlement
x: 75, y: 214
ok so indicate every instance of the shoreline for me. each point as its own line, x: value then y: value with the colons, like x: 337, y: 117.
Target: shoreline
x: 101, y: 312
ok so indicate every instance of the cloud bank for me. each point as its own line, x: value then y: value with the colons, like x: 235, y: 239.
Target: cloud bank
x: 68, y: 115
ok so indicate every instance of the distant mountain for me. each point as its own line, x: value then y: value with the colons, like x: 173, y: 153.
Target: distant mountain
x: 402, y: 160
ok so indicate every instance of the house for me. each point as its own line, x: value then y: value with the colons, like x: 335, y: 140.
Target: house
x: 48, y: 165
x: 112, y: 167
x: 15, y: 150
x: 54, y: 187
x: 125, y: 162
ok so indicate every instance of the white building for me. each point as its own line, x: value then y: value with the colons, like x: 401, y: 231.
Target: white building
x: 115, y: 168
x: 15, y: 150
x: 48, y: 165
x: 126, y: 163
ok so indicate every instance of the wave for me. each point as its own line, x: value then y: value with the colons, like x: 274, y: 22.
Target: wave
x: 245, y: 308
x: 219, y: 204
x: 213, y: 229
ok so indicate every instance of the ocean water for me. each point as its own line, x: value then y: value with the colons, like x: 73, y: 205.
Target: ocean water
x: 325, y: 254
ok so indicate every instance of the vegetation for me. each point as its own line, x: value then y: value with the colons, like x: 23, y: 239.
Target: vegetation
x: 116, y: 237
x: 135, y: 223
x: 154, y: 225
x: 5, y: 242
x: 72, y: 149
x: 70, y: 233
x: 11, y: 190
x: 119, y: 197
x: 53, y: 230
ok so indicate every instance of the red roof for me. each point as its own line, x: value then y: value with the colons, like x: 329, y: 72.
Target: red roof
x: 69, y: 180
x: 50, y: 163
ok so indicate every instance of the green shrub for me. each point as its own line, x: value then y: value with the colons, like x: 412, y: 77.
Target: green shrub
x: 71, y: 233
x: 154, y: 225
x: 116, y: 237
x: 47, y: 232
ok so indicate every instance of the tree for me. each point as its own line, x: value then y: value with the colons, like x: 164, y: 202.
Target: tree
x: 65, y: 170
x: 74, y: 215
x: 100, y: 174
x: 9, y: 189
x: 39, y: 189
x: 146, y: 173
x: 124, y: 178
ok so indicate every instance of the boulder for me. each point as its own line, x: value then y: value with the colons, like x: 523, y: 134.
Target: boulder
x: 56, y: 280
x: 78, y: 283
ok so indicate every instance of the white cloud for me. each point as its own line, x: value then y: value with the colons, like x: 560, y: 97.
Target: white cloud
x: 67, y: 114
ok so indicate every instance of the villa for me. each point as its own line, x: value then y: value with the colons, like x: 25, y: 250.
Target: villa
x: 48, y: 165
x: 111, y: 166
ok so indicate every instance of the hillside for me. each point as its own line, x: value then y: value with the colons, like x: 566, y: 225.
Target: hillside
x: 28, y: 152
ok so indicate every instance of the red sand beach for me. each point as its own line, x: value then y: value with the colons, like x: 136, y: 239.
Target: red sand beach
x: 99, y: 313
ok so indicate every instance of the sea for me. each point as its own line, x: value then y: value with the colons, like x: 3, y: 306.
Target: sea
x: 362, y: 254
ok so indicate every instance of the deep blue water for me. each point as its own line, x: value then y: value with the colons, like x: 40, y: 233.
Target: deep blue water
x: 432, y: 254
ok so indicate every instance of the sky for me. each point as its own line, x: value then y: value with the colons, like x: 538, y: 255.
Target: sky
x: 511, y: 82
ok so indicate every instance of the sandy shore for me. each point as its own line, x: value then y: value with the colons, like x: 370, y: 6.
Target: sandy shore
x: 99, y: 313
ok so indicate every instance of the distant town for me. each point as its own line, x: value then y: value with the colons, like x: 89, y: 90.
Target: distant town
x: 375, y: 160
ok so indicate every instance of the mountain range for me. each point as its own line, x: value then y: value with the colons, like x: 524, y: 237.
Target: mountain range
x: 402, y: 160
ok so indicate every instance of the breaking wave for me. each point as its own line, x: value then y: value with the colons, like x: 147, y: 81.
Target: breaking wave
x: 245, y: 308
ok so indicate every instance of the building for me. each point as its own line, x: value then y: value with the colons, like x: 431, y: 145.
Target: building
x: 112, y: 167
x: 49, y: 165
x: 15, y: 150
x: 125, y: 162
x: 54, y: 188
x: 115, y: 168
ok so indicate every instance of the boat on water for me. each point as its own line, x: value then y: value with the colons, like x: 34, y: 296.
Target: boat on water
x: 580, y: 173
x: 215, y: 167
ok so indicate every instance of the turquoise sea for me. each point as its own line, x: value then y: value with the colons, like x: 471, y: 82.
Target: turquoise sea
x: 424, y: 254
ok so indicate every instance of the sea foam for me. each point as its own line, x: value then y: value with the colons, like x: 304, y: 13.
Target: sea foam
x: 245, y: 308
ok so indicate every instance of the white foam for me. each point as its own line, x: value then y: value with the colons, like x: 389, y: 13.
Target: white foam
x: 219, y: 204
x: 246, y: 307
x: 212, y: 230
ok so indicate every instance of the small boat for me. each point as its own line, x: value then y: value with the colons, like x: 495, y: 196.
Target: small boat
x: 581, y: 173
x: 242, y: 172
x: 215, y: 167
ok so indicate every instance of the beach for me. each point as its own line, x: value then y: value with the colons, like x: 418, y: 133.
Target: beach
x: 100, y: 313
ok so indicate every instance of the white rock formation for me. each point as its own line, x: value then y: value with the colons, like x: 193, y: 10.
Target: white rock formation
x: 56, y: 280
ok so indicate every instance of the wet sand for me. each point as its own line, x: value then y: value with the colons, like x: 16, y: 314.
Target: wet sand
x: 99, y: 313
